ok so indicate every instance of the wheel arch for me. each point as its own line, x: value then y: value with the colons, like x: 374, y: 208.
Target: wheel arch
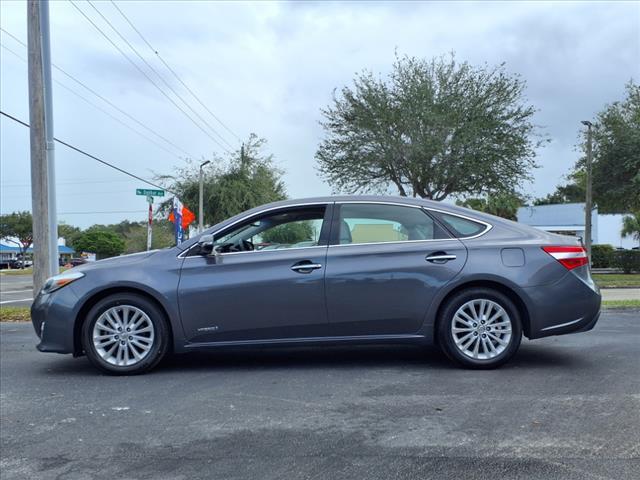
x: 491, y: 284
x: 81, y: 317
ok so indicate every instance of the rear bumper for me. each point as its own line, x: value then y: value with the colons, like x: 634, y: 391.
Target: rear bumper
x: 53, y: 317
x: 570, y: 305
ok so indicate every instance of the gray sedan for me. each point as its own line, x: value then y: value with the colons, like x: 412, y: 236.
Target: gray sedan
x: 330, y: 270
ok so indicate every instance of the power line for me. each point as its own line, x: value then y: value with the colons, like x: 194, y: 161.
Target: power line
x: 98, y: 107
x: 173, y: 72
x: 135, y: 65
x: 104, y: 162
x: 107, y: 101
x: 168, y: 85
x: 103, y: 212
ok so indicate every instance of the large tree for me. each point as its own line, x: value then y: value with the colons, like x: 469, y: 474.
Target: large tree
x: 17, y: 228
x: 247, y: 179
x: 616, y: 160
x: 431, y: 129
x: 100, y: 240
x: 616, y: 155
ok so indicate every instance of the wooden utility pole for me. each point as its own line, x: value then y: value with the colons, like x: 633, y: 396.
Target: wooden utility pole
x: 588, y: 206
x: 45, y: 231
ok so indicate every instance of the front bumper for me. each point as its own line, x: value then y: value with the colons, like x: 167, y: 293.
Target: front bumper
x: 53, y: 316
x: 570, y: 305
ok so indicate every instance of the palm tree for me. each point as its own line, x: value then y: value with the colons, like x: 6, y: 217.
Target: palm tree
x: 631, y: 225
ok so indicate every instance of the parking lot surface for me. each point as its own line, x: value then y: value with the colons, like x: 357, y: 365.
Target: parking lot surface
x: 565, y: 407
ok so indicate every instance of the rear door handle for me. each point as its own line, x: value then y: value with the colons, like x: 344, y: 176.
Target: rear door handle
x: 440, y: 257
x: 306, y: 267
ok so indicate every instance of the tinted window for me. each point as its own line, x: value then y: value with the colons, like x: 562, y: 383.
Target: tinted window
x: 294, y: 228
x: 377, y: 223
x: 460, y: 227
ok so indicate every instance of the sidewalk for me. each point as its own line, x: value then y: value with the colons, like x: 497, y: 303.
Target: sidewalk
x: 620, y: 293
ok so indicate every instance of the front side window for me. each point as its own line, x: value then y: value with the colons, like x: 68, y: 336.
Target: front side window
x: 379, y: 223
x: 295, y: 228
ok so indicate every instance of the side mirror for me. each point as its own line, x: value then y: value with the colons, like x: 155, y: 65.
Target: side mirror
x: 206, y: 244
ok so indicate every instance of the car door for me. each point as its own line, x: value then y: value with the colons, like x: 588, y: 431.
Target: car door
x: 274, y: 291
x: 384, y: 265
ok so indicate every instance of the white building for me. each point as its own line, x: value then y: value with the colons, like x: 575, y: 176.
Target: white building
x: 568, y: 219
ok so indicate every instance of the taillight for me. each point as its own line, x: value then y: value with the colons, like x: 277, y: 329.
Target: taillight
x: 569, y: 256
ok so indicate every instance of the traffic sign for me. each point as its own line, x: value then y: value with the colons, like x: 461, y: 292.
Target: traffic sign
x: 147, y: 192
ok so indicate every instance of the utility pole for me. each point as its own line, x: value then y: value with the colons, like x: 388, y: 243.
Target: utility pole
x: 43, y: 205
x: 588, y: 206
x: 201, y: 199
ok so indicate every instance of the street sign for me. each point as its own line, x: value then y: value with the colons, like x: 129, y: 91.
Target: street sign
x: 148, y: 192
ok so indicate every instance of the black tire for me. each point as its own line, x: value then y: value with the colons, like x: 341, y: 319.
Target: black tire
x: 445, y: 334
x: 161, y: 340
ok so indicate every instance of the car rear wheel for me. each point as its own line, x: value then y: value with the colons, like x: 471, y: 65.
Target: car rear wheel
x: 480, y: 328
x: 125, y: 334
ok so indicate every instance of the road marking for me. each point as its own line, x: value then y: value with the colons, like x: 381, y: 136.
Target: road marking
x: 16, y: 291
x: 16, y: 301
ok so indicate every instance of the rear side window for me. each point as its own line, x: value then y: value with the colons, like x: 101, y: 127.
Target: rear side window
x: 379, y: 223
x: 460, y: 227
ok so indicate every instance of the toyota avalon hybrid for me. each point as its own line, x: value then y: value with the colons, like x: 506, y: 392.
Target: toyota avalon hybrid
x: 326, y: 271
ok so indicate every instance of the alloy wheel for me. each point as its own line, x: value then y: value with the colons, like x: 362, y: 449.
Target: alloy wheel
x: 481, y: 329
x: 123, y: 335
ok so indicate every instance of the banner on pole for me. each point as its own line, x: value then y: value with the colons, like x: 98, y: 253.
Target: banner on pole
x: 181, y: 217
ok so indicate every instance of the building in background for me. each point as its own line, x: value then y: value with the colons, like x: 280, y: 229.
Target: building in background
x: 568, y: 219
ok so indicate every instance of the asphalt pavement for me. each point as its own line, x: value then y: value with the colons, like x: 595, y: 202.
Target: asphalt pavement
x: 16, y: 290
x: 565, y: 408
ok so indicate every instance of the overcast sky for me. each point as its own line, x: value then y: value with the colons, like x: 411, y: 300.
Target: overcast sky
x: 269, y: 68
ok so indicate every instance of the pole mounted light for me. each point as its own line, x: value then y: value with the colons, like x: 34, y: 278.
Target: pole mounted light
x: 588, y: 206
x: 200, y: 199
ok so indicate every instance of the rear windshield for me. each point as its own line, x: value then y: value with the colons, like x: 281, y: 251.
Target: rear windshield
x: 460, y: 227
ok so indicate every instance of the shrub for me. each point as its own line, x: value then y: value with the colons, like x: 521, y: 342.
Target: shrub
x: 627, y: 260
x: 602, y: 256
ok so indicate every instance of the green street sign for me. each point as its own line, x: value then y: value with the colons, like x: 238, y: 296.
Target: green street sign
x: 147, y: 192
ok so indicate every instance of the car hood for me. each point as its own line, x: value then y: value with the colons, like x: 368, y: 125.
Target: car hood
x: 116, y: 261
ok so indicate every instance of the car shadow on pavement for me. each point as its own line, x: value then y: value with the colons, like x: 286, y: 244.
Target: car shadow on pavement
x: 531, y: 357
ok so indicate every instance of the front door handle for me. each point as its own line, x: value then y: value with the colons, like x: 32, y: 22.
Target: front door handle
x: 440, y: 257
x: 305, y: 267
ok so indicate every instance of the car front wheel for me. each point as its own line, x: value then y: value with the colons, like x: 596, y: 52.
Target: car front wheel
x: 125, y: 334
x: 480, y: 328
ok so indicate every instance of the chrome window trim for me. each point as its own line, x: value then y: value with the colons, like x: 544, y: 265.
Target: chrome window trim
x: 392, y: 243
x: 266, y: 210
x: 488, y: 226
x: 260, y: 251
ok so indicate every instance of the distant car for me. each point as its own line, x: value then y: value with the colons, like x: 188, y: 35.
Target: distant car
x: 361, y: 270
x: 77, y: 261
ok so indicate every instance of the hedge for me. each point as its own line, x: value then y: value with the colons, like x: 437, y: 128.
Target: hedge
x: 605, y: 256
x: 602, y: 256
x: 627, y: 260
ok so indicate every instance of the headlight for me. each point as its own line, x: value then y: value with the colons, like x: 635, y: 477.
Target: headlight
x: 59, y: 281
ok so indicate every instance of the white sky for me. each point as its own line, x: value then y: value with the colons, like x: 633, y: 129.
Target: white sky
x: 269, y: 68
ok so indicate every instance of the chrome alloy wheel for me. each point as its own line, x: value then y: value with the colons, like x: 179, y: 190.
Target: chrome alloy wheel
x: 123, y: 335
x: 481, y: 329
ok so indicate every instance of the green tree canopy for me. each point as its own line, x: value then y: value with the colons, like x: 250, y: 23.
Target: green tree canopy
x: 503, y: 205
x: 17, y: 225
x: 100, y: 240
x: 616, y: 155
x: 616, y: 160
x: 631, y: 226
x: 69, y: 233
x: 289, y: 233
x: 246, y: 180
x: 432, y: 129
